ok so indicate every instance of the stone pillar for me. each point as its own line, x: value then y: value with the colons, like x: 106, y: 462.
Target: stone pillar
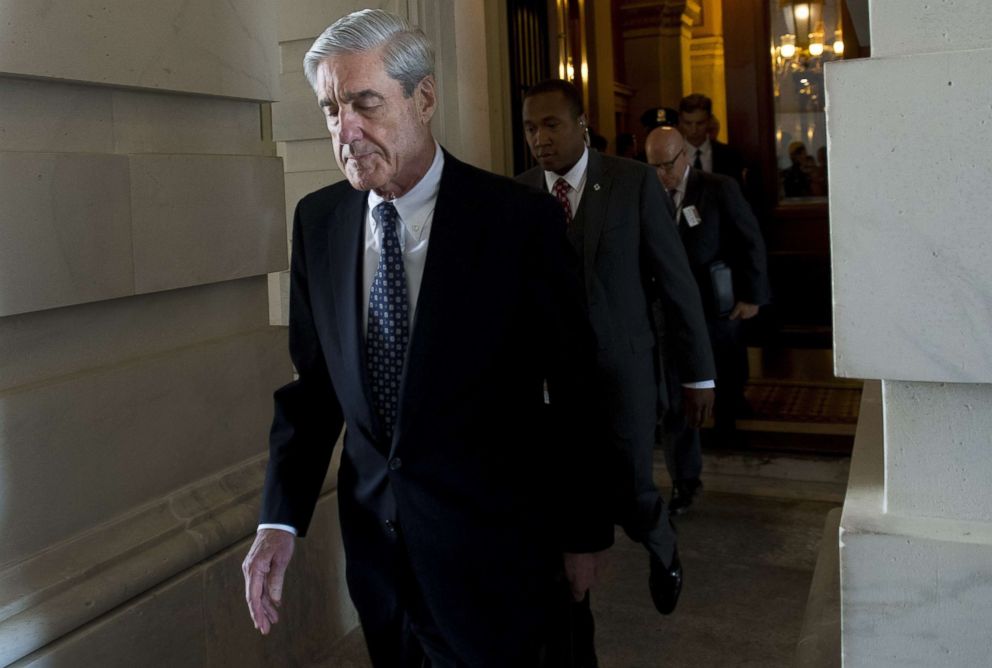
x: 602, y: 88
x: 143, y: 206
x: 657, y: 37
x: 706, y: 61
x: 912, y: 291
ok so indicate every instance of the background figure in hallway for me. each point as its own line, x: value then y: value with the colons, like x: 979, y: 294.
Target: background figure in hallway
x: 716, y: 226
x: 469, y: 516
x: 620, y: 227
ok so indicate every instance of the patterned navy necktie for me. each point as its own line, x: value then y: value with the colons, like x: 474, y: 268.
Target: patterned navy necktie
x: 389, y: 319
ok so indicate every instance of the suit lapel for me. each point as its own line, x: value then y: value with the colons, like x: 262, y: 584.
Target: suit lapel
x: 347, y: 250
x: 592, y: 212
x: 693, y: 190
x: 454, y: 242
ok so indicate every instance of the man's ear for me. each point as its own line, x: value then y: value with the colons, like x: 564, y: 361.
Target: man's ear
x: 425, y: 98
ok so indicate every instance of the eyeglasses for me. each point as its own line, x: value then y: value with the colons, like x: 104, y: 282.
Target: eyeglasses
x: 668, y: 165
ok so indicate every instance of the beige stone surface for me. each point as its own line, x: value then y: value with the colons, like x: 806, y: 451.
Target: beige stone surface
x: 199, y: 618
x: 82, y: 450
x: 202, y: 219
x: 157, y: 123
x: 296, y: 115
x: 900, y: 27
x: 938, y: 467
x: 215, y: 47
x: 315, y: 155
x: 299, y: 19
x: 51, y: 117
x: 64, y: 231
x: 292, y: 54
x: 63, y: 342
x: 912, y: 282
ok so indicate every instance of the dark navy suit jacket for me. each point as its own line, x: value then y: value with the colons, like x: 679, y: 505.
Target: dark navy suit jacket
x: 480, y: 488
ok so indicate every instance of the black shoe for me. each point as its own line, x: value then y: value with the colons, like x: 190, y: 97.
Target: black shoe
x: 665, y: 583
x: 683, y: 495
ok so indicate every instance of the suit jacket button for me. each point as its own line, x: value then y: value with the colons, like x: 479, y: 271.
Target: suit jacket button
x: 391, y: 526
x: 395, y: 463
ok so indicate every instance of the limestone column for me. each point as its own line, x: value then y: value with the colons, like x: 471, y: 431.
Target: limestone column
x: 657, y: 38
x: 910, y: 238
x: 708, y: 73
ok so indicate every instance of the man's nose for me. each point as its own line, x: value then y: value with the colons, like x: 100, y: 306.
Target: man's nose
x: 350, y: 126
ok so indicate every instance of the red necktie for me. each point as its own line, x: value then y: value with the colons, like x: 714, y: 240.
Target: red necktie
x: 561, y: 189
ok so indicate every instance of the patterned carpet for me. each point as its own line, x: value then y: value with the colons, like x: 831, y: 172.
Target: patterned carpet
x: 783, y: 401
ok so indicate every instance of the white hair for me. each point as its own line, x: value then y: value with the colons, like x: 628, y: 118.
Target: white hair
x: 407, y: 55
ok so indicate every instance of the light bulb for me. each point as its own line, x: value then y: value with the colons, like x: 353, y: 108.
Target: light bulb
x: 788, y: 48
x: 802, y: 12
x: 839, y: 47
x: 816, y: 49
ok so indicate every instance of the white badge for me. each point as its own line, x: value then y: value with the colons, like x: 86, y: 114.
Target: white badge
x: 691, y: 216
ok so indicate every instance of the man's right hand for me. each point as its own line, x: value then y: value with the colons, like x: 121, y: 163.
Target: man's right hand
x: 264, y: 569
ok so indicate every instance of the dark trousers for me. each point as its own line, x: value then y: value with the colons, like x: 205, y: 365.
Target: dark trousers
x: 402, y: 633
x: 682, y: 445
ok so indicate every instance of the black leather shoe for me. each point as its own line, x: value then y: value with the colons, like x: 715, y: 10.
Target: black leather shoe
x: 665, y: 583
x: 683, y: 495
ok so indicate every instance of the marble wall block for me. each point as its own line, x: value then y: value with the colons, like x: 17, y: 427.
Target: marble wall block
x: 938, y: 467
x: 279, y: 299
x: 60, y: 342
x: 296, y: 115
x: 901, y: 27
x: 200, y: 619
x: 299, y: 19
x: 65, y: 233
x: 292, y: 54
x: 82, y: 449
x: 50, y: 117
x: 215, y: 47
x: 309, y: 156
x: 155, y: 123
x: 202, y: 219
x: 910, y: 238
x: 913, y: 600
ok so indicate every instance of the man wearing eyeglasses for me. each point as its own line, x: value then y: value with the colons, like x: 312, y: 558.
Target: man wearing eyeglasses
x: 723, y: 243
x: 619, y: 225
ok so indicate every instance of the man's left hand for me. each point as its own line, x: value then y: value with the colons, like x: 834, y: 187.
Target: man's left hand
x: 743, y: 311
x: 697, y: 405
x: 582, y: 570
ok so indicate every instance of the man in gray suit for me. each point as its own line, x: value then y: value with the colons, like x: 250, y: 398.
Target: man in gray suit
x: 719, y: 232
x: 630, y: 251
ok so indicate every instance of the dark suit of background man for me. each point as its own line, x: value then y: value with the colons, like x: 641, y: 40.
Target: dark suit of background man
x: 626, y: 238
x: 715, y: 224
x: 705, y: 153
x: 456, y: 503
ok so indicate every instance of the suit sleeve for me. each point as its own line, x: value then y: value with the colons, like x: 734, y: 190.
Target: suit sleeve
x: 577, y: 428
x: 308, y: 417
x: 744, y: 246
x: 686, y: 334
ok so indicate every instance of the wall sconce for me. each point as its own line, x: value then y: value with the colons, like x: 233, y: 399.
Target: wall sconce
x: 788, y: 46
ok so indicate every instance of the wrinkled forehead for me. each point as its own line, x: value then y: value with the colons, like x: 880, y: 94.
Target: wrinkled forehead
x: 345, y: 77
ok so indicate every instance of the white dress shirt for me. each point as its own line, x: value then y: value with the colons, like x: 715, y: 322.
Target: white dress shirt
x: 416, y: 211
x: 576, y: 177
x: 706, y: 156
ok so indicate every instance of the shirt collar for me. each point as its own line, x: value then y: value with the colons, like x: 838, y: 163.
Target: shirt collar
x: 421, y: 194
x: 419, y: 201
x: 705, y: 148
x: 574, y: 177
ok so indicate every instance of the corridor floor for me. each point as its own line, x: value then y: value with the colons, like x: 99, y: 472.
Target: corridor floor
x: 748, y: 563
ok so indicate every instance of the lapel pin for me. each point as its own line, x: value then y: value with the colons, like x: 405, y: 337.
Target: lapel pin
x: 595, y: 186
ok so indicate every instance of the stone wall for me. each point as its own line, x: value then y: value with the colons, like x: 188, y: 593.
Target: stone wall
x: 910, y: 135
